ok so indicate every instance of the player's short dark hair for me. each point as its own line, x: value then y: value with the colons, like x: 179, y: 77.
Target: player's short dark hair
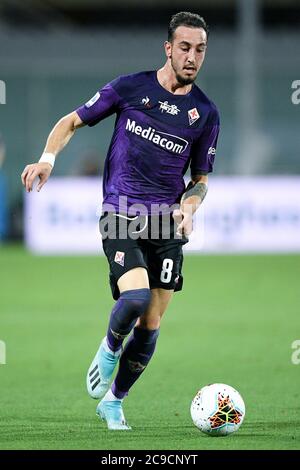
x: 185, y: 18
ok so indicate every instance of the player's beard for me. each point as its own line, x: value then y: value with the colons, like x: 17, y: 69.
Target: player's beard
x: 180, y: 79
x: 183, y: 80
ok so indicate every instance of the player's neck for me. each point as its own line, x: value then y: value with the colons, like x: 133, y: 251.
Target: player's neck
x: 167, y: 79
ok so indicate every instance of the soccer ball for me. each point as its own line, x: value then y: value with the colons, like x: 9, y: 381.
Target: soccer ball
x: 218, y: 410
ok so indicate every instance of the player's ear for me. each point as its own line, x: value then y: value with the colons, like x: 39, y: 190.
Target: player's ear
x: 168, y: 49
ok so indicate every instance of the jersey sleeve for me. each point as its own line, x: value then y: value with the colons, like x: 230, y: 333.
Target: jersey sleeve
x: 204, y: 148
x: 103, y: 104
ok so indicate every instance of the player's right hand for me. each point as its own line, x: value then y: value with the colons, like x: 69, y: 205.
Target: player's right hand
x: 31, y: 172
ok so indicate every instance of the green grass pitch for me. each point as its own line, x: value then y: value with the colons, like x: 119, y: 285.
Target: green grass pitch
x: 234, y: 322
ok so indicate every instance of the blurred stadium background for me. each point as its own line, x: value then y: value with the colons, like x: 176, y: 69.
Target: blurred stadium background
x: 54, y: 55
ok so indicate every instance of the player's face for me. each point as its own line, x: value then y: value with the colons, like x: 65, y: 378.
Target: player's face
x: 187, y: 53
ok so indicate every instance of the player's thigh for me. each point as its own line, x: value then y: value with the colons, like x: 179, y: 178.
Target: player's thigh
x: 160, y: 300
x: 165, y: 265
x: 136, y: 278
x: 128, y: 268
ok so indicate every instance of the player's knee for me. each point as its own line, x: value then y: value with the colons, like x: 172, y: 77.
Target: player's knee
x: 149, y: 323
x: 137, y: 301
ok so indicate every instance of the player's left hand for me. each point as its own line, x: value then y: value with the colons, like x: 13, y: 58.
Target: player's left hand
x: 184, y: 221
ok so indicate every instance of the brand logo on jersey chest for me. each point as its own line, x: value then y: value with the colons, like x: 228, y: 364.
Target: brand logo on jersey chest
x: 146, y: 102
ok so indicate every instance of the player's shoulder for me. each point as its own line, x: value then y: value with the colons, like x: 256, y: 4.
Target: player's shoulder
x: 125, y: 83
x: 211, y: 108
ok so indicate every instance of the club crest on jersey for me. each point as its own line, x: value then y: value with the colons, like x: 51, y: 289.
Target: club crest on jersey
x: 169, y: 108
x: 193, y: 115
x: 120, y: 257
x: 93, y: 100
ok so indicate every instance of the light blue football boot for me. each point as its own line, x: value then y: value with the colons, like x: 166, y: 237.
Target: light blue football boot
x: 112, y: 413
x: 101, y: 370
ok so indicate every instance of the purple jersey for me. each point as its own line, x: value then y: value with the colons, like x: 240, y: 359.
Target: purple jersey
x: 157, y: 136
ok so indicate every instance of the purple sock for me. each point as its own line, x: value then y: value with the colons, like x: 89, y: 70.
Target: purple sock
x: 135, y: 357
x: 130, y: 305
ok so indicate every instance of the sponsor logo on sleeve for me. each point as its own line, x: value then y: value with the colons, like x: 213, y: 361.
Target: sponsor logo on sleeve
x: 93, y: 100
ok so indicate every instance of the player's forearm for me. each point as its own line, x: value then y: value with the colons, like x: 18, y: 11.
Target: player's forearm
x: 62, y: 133
x: 58, y: 138
x: 194, y: 195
